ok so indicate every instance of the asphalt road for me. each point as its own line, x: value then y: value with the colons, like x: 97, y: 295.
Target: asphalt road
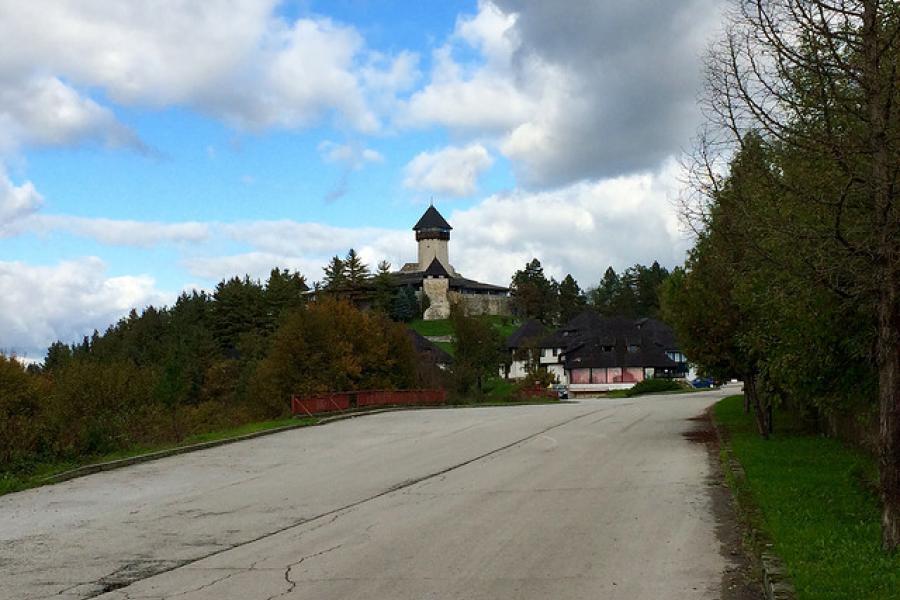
x: 595, y: 499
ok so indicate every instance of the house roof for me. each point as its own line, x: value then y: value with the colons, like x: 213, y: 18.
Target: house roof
x: 530, y: 332
x: 436, y: 269
x: 432, y: 219
x: 592, y: 340
x: 414, y: 278
x: 426, y: 347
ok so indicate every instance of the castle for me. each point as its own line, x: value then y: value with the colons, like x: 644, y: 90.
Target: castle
x: 434, y: 277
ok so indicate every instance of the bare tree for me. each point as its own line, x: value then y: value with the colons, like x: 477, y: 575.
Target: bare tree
x: 818, y: 79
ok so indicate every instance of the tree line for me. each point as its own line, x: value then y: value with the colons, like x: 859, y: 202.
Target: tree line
x: 633, y: 293
x: 346, y: 277
x: 794, y: 280
x: 208, y: 361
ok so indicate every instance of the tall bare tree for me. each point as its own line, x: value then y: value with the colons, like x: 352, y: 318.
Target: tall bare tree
x: 818, y: 81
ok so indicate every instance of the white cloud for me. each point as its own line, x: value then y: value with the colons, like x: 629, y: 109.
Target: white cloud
x: 44, y: 111
x: 17, y: 203
x: 232, y: 59
x: 450, y: 171
x: 352, y: 155
x: 571, y: 92
x: 304, y: 246
x: 65, y: 301
x: 117, y: 232
x: 486, y: 101
x: 257, y: 265
x: 579, y: 229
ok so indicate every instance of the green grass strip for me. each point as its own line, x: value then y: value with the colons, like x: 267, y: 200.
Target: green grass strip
x: 38, y: 474
x: 815, y: 499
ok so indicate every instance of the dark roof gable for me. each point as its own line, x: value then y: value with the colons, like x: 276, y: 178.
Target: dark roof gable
x: 530, y: 333
x: 436, y: 269
x: 425, y: 347
x: 432, y: 219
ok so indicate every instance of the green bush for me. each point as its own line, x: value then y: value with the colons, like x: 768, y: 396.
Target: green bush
x: 654, y: 385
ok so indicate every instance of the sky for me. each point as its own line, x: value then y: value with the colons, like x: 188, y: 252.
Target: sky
x: 155, y: 146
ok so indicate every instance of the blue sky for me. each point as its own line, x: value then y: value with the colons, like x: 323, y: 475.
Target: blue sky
x: 147, y: 150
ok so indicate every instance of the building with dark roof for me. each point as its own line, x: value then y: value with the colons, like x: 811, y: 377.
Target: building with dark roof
x: 593, y: 353
x: 428, y: 350
x: 433, y: 276
x: 524, y: 348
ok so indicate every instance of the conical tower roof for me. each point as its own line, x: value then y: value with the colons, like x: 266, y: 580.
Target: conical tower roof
x: 432, y: 219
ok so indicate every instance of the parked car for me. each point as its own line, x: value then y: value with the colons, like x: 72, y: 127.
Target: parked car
x: 703, y: 382
x: 562, y: 392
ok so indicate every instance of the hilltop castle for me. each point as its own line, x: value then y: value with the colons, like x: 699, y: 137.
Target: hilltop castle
x: 433, y: 275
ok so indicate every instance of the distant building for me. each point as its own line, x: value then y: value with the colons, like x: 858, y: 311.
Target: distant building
x: 592, y: 353
x: 428, y: 350
x: 524, y: 348
x: 434, y: 277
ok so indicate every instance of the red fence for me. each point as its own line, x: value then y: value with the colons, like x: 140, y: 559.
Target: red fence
x: 340, y: 401
x: 537, y: 392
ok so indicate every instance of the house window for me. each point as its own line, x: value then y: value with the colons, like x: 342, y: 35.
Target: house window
x: 555, y: 351
x: 633, y: 348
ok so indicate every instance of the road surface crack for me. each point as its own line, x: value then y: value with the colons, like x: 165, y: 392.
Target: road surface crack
x: 287, y: 571
x: 336, y: 513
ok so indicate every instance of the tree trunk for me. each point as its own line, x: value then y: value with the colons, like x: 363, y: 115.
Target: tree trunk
x: 879, y: 96
x: 752, y: 393
x: 889, y: 416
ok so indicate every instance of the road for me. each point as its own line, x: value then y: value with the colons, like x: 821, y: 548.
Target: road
x: 601, y: 498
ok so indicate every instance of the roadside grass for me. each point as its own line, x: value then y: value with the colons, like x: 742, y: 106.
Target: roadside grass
x: 648, y: 391
x: 815, y: 499
x: 37, y: 474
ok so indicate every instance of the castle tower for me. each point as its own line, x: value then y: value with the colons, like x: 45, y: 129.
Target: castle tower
x: 433, y: 236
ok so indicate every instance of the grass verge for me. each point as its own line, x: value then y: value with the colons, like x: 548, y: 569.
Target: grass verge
x: 38, y: 473
x: 815, y: 500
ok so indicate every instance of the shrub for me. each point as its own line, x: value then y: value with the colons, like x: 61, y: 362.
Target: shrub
x: 654, y: 385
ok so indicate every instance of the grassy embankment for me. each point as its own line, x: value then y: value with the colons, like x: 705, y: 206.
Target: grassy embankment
x: 14, y: 482
x: 815, y: 498
x: 504, y: 325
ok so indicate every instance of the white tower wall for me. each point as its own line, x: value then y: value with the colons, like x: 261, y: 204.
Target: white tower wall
x: 429, y: 249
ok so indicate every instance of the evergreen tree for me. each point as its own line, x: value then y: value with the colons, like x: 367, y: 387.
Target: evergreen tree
x: 533, y: 295
x: 335, y: 275
x: 384, y: 288
x: 604, y: 296
x: 403, y: 306
x: 284, y: 290
x: 356, y: 272
x: 239, y: 307
x: 571, y: 299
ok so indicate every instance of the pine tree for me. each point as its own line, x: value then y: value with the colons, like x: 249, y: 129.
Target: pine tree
x: 533, y: 295
x: 356, y: 271
x: 335, y: 278
x: 571, y: 300
x: 384, y: 288
x: 402, y: 308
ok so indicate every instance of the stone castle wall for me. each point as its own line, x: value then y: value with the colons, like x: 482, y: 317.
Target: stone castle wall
x: 438, y: 292
x: 482, y: 304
